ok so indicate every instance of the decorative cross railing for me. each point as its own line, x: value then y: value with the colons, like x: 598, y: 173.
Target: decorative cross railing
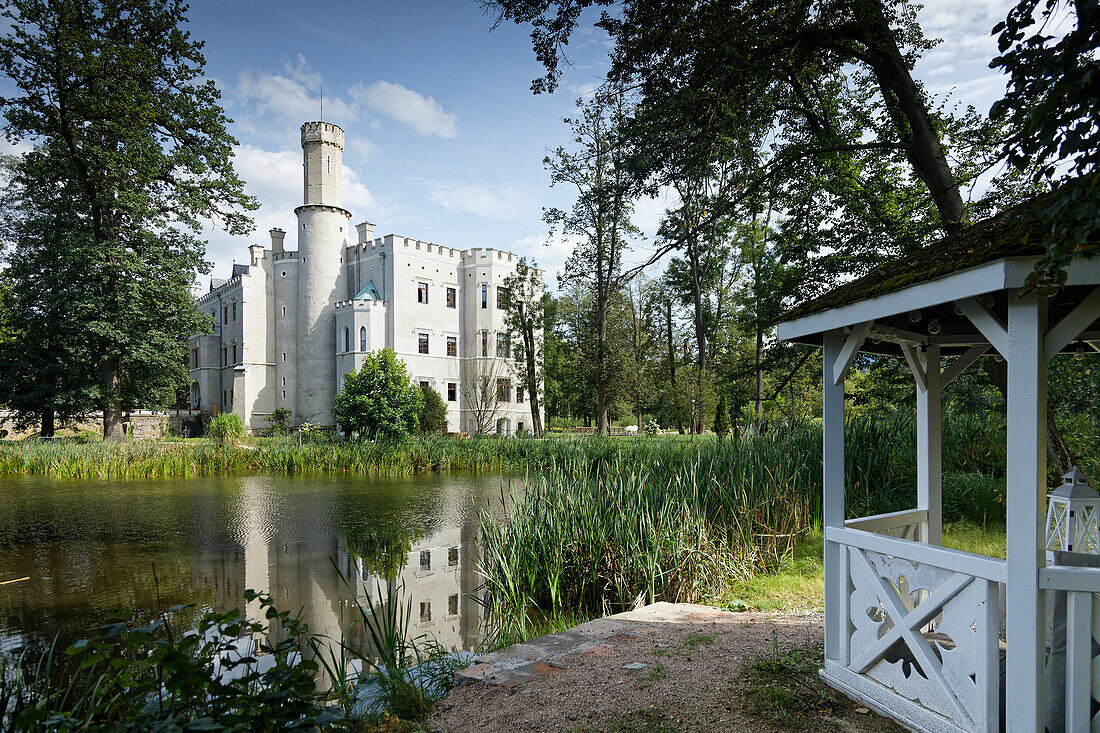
x: 920, y: 630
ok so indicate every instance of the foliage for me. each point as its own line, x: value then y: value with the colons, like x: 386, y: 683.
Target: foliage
x: 226, y: 428
x: 722, y: 416
x: 524, y: 319
x: 433, y: 412
x: 1051, y: 107
x: 378, y: 401
x: 150, y: 676
x: 133, y: 144
x: 652, y: 428
x: 278, y: 421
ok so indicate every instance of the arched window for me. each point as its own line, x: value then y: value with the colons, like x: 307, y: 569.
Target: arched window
x: 347, y: 339
x: 362, y: 338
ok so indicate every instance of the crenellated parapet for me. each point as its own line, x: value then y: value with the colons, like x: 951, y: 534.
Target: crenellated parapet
x: 322, y: 132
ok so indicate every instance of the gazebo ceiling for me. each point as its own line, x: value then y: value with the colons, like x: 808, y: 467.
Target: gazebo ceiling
x: 914, y: 299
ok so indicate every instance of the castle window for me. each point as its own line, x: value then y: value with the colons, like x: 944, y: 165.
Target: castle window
x: 225, y: 314
x: 424, y: 384
x: 284, y: 356
x: 452, y: 298
x: 347, y: 339
x: 362, y: 338
x: 225, y: 356
x: 284, y: 381
x: 284, y: 394
x: 425, y: 611
x: 284, y: 310
x: 452, y: 604
x: 452, y: 392
x: 484, y: 296
x: 502, y: 298
x: 425, y: 560
x: 234, y: 353
x: 234, y: 310
x: 194, y: 358
x: 519, y: 394
x: 452, y: 346
x: 422, y: 345
x: 503, y: 390
x: 225, y: 397
x: 422, y: 293
x: 504, y: 347
x: 484, y: 343
x: 452, y: 557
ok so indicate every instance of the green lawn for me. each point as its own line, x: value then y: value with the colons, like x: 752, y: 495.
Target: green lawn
x: 797, y: 584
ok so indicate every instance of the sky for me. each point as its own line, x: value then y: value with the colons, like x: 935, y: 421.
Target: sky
x: 444, y: 139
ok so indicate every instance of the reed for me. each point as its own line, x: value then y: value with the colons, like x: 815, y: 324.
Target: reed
x: 604, y: 525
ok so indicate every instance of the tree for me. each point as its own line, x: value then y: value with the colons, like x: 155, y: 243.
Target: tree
x: 524, y: 317
x: 378, y: 401
x: 47, y: 372
x: 599, y: 218
x: 116, y: 94
x: 433, y: 413
x: 480, y: 394
x: 1051, y: 108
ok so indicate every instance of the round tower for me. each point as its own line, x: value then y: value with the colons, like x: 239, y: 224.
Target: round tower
x: 322, y: 237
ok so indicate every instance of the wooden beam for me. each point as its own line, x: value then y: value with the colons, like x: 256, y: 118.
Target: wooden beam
x: 1026, y: 469
x: 1074, y: 323
x: 929, y: 446
x: 986, y: 322
x: 837, y: 581
x: 849, y: 350
x: 960, y: 364
x: 915, y: 366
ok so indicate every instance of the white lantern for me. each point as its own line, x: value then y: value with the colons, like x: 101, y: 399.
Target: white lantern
x: 1072, y: 513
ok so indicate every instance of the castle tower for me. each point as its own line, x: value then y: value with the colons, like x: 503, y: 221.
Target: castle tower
x: 322, y: 237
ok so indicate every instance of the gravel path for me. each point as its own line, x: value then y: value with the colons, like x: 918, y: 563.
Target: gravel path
x: 668, y: 667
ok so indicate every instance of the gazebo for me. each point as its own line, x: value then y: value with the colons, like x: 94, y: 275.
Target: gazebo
x: 914, y: 630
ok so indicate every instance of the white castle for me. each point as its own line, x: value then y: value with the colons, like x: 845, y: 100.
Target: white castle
x: 289, y: 325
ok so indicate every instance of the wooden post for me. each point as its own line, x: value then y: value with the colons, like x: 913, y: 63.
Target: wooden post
x: 836, y: 587
x: 1026, y: 470
x: 929, y: 455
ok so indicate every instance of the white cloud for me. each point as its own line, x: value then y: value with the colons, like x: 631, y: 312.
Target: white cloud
x: 290, y: 97
x: 549, y: 252
x: 480, y: 199
x: 423, y: 114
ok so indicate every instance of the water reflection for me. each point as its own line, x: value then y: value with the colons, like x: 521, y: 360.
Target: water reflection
x: 93, y: 547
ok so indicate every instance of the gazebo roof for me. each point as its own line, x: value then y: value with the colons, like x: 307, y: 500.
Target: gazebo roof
x: 916, y: 298
x: 1010, y: 233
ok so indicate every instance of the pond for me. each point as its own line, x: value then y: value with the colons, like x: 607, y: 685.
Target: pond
x: 90, y: 548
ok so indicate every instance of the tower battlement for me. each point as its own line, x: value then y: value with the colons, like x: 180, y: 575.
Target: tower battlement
x: 323, y: 132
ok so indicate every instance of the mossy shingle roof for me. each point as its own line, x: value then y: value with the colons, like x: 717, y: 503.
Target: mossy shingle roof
x: 1012, y: 233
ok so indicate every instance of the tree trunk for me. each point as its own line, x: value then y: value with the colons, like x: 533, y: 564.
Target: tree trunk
x: 112, y: 409
x: 672, y: 362
x: 601, y: 366
x: 532, y: 377
x: 759, y: 366
x: 47, y: 430
x: 909, y: 112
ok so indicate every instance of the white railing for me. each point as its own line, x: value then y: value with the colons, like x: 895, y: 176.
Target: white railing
x: 920, y: 628
x: 911, y: 524
x: 1082, y: 632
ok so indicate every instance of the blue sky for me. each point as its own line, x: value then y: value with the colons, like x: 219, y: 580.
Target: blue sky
x: 445, y: 141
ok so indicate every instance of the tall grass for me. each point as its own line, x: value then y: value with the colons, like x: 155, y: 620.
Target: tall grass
x: 605, y: 524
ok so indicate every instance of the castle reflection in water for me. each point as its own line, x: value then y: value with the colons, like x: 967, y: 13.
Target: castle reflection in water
x: 311, y: 567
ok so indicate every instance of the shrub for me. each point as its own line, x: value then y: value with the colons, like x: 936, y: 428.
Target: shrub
x: 653, y: 427
x: 278, y: 422
x: 226, y: 428
x: 378, y: 401
x: 433, y: 415
x: 722, y: 417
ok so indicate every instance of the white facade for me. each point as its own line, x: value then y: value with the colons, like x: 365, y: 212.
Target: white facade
x: 290, y: 325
